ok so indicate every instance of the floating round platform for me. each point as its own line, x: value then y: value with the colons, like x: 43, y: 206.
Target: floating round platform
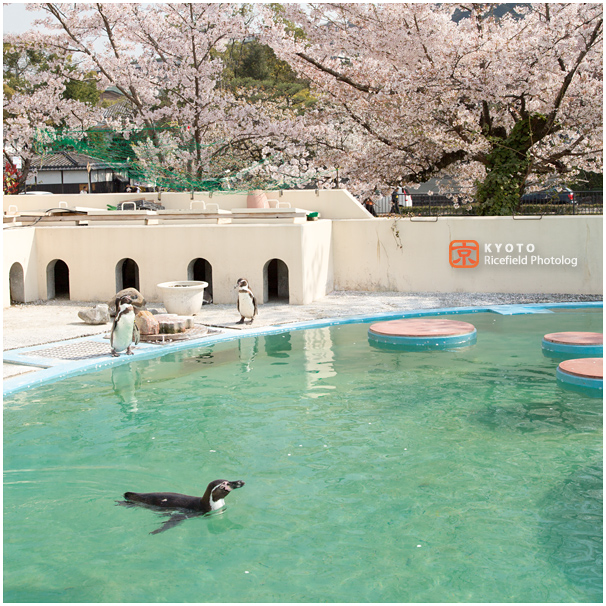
x: 583, y: 372
x: 573, y: 344
x: 422, y: 334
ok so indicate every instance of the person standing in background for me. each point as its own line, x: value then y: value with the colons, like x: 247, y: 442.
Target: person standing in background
x: 369, y: 205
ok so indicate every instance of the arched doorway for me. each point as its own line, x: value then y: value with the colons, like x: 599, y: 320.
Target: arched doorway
x: 275, y: 281
x: 57, y: 280
x: 16, y: 283
x: 127, y: 275
x: 201, y: 270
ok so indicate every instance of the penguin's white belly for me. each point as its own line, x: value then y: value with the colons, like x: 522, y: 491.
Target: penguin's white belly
x: 246, y: 305
x: 122, y: 335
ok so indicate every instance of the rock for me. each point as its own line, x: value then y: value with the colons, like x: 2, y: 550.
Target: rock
x: 189, y: 321
x: 171, y: 324
x: 99, y: 314
x: 133, y: 293
x: 172, y: 327
x: 147, y: 323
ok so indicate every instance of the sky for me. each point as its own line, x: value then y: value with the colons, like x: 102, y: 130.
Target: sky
x: 16, y: 19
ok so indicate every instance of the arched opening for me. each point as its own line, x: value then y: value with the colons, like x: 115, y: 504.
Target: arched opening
x: 202, y: 270
x: 57, y: 280
x: 16, y: 283
x: 275, y: 281
x: 127, y: 275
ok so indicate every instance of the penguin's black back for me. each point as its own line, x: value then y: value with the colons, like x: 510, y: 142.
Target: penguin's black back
x: 170, y: 500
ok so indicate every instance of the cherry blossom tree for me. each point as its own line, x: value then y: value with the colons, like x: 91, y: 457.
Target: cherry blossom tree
x: 165, y: 61
x: 412, y: 91
x: 405, y: 92
x: 26, y: 133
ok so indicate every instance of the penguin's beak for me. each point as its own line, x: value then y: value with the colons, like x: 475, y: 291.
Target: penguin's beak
x: 236, y: 484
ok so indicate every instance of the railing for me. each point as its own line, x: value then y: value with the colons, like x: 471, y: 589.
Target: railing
x: 455, y: 204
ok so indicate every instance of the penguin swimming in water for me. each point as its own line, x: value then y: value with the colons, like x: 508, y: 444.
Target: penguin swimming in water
x: 188, y: 506
x: 247, y: 304
x: 124, y: 330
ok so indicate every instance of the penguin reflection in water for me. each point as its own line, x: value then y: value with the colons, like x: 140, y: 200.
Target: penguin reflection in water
x: 182, y: 506
x: 124, y: 333
x: 247, y: 304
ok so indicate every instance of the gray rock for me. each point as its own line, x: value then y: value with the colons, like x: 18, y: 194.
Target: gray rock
x: 99, y: 314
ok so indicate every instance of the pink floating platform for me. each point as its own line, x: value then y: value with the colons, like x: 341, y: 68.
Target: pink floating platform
x: 583, y: 372
x: 576, y: 338
x: 573, y: 344
x: 590, y: 368
x: 423, y: 333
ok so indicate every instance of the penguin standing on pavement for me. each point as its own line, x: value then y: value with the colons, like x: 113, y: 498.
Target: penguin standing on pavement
x: 124, y: 333
x: 247, y: 304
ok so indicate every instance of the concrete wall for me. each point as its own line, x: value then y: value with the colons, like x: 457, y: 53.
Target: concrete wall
x: 551, y: 255
x: 331, y: 203
x: 163, y: 254
x: 413, y: 255
x: 20, y: 247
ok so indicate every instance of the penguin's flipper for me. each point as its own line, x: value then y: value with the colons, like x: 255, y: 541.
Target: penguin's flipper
x: 111, y: 335
x: 174, y: 519
x: 136, y: 334
x: 255, y: 306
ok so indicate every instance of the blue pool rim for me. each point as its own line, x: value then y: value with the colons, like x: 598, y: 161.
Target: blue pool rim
x: 50, y: 375
x: 576, y: 381
x: 589, y: 351
x: 424, y: 343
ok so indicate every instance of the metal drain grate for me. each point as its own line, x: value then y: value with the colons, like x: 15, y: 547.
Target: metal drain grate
x: 85, y: 350
x: 73, y: 351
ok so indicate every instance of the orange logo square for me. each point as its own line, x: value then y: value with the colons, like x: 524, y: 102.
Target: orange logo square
x: 464, y: 254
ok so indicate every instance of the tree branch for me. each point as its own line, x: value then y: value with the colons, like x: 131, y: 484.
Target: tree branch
x: 570, y: 75
x: 447, y: 159
x: 340, y: 77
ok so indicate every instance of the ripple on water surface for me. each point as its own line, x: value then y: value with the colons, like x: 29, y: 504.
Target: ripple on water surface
x: 371, y: 475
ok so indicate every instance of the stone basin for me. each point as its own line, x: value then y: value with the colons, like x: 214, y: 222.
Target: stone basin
x: 183, y: 298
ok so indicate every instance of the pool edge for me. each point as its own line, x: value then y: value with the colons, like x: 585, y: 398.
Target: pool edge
x: 19, y: 383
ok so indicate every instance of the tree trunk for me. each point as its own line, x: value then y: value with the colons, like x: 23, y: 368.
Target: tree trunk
x: 24, y: 174
x: 507, y: 167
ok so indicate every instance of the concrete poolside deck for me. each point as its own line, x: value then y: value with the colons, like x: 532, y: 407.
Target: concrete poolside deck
x: 55, y: 321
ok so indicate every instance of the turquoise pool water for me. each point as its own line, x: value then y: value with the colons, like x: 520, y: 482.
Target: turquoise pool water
x: 467, y: 476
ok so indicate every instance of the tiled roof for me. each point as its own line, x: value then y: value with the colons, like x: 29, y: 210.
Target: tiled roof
x: 68, y: 161
x: 121, y: 109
